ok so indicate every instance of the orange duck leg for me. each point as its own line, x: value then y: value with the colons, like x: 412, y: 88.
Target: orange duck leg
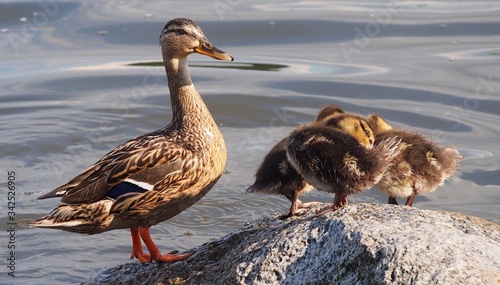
x: 155, y: 255
x: 137, y: 246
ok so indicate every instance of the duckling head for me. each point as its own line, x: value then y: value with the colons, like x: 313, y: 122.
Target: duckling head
x: 327, y: 112
x: 181, y: 37
x: 378, y: 124
x: 354, y: 125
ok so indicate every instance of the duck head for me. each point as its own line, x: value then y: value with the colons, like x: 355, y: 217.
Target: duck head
x: 181, y: 37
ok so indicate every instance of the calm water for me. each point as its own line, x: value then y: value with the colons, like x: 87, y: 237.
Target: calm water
x: 71, y: 90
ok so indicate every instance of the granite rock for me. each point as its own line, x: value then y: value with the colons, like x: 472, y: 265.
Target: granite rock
x: 359, y: 244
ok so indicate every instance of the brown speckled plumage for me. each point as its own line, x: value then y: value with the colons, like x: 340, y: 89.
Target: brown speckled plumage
x: 421, y: 166
x: 179, y: 163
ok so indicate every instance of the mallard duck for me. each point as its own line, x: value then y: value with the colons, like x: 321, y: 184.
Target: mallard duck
x: 419, y: 168
x: 276, y: 176
x: 334, y: 161
x: 156, y: 176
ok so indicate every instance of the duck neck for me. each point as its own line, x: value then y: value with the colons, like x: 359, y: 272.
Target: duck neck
x: 177, y: 73
x: 188, y: 109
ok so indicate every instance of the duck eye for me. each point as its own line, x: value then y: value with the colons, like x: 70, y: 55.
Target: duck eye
x: 367, y: 132
x: 181, y: 32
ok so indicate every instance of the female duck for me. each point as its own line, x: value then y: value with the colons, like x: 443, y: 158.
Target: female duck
x: 334, y: 161
x: 156, y: 176
x: 419, y: 168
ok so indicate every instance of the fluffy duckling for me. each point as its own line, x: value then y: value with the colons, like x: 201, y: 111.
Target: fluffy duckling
x: 334, y: 161
x: 276, y: 176
x: 419, y: 168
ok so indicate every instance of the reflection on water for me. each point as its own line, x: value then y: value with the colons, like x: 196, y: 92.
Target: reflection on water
x: 71, y: 92
x: 483, y: 177
x: 237, y: 65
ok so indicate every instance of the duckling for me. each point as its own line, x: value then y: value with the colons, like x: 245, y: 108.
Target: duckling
x: 156, y: 176
x: 276, y: 176
x: 333, y: 161
x: 378, y: 124
x: 354, y: 125
x: 327, y: 112
x: 419, y: 168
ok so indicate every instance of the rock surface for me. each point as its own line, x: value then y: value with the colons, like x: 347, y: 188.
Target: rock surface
x: 359, y: 244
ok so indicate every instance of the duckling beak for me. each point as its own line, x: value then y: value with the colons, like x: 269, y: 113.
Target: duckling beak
x: 208, y: 49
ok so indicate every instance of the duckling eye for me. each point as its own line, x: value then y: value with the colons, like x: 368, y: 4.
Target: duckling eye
x: 367, y: 133
x: 181, y: 32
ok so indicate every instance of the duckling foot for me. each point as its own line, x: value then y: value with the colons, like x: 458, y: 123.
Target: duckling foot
x: 328, y: 209
x: 294, y: 208
x: 308, y: 205
x: 339, y: 201
x: 393, y: 201
x: 291, y: 213
x: 298, y: 208
x: 409, y: 201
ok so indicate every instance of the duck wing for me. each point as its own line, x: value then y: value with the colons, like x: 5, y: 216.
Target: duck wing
x: 142, y: 162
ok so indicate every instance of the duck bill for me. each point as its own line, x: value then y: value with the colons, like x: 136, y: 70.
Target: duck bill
x: 208, y: 49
